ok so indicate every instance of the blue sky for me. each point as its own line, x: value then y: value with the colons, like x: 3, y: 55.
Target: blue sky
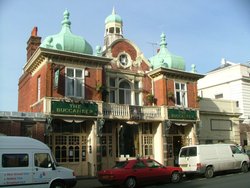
x: 201, y: 31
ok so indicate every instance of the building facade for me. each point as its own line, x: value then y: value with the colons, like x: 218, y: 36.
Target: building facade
x: 230, y: 81
x: 219, y: 121
x: 110, y: 104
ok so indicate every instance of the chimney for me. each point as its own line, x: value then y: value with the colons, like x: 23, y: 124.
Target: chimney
x: 33, y: 43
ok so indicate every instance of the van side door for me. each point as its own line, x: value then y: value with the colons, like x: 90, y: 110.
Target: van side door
x: 42, y: 169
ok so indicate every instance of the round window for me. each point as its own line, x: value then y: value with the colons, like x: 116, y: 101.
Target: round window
x: 123, y: 59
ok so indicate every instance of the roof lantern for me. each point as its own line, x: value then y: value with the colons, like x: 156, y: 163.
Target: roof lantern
x: 113, y: 29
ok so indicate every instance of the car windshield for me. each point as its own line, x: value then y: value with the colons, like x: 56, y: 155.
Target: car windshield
x: 120, y: 164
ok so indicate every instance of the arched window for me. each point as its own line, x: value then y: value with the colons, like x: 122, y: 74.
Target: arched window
x: 124, y: 93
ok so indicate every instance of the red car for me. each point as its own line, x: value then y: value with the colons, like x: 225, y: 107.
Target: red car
x: 131, y: 173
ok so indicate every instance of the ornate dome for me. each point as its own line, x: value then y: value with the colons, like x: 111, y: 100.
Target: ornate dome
x: 67, y: 41
x: 165, y: 59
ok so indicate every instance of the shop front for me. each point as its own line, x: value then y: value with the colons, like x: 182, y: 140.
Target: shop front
x: 71, y: 135
x: 178, y: 131
x: 122, y: 140
x: 84, y: 139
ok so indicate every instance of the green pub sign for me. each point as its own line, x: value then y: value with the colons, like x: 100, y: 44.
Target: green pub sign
x: 67, y: 108
x: 182, y: 114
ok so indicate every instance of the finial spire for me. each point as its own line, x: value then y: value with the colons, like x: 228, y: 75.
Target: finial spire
x: 66, y: 22
x: 163, y: 43
x: 113, y: 11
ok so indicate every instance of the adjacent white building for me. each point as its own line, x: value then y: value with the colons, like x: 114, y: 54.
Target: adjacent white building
x: 219, y: 121
x: 230, y: 81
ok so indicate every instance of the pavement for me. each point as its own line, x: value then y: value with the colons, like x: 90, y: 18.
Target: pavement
x: 88, y: 182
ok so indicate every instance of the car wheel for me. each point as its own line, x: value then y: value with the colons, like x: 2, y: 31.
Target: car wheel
x: 244, y: 167
x: 130, y: 182
x: 175, y: 177
x: 57, y: 184
x: 209, y: 173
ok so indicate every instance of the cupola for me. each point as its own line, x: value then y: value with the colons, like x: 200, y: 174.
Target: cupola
x: 66, y: 41
x: 113, y: 28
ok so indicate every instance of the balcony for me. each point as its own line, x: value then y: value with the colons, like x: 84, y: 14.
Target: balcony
x: 129, y: 112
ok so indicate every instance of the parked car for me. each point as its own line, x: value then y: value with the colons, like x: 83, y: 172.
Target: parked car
x: 209, y: 158
x: 130, y: 173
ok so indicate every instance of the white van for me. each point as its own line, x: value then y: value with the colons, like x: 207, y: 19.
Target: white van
x: 210, y: 158
x: 26, y: 162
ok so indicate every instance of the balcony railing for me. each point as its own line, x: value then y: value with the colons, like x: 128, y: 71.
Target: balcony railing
x: 129, y: 112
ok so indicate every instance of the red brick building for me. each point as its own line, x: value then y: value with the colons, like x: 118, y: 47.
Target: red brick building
x: 23, y: 124
x: 110, y: 104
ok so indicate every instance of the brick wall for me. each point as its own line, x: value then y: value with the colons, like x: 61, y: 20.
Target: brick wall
x: 160, y: 92
x: 95, y: 77
x: 163, y: 86
x: 10, y: 128
x: 27, y: 89
x: 23, y: 95
x: 124, y: 46
x: 192, y: 95
x: 18, y: 128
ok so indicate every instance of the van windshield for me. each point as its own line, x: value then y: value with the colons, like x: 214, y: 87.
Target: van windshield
x: 188, y: 152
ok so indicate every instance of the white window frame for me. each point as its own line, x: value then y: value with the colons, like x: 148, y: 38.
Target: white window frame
x: 182, y: 94
x: 147, y: 144
x: 114, y: 90
x: 75, y: 79
x: 126, y: 93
